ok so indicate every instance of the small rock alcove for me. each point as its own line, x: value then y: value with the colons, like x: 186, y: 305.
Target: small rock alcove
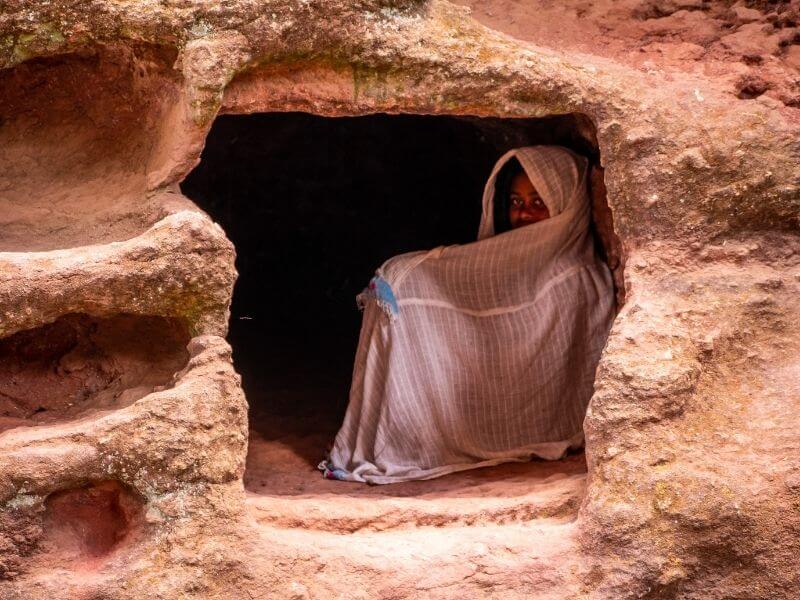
x: 82, y: 365
x: 313, y: 205
x: 84, y: 526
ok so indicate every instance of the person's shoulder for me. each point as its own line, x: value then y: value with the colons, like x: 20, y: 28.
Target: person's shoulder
x: 402, y: 260
x: 396, y: 269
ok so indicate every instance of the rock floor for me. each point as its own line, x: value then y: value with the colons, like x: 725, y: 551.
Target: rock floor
x: 479, y: 517
x: 517, y: 518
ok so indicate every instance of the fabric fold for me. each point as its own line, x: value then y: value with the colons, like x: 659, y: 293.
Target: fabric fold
x: 476, y: 354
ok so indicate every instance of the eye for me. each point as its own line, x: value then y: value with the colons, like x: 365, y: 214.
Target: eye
x: 516, y: 202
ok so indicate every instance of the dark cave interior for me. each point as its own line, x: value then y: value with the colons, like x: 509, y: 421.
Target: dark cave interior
x: 315, y: 204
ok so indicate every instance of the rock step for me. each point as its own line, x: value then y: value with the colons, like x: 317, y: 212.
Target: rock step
x: 557, y: 496
x: 536, y: 560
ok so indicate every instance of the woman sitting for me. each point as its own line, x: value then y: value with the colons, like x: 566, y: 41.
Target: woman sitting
x: 477, y: 354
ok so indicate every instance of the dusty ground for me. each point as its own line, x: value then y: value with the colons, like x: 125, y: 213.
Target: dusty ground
x: 285, y: 488
x: 421, y: 539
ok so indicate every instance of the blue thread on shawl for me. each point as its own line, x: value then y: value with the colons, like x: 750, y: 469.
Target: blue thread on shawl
x: 381, y: 292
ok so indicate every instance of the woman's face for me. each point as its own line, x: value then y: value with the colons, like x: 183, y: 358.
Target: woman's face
x: 526, y: 205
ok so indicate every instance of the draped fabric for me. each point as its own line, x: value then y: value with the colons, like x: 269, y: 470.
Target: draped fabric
x: 475, y: 354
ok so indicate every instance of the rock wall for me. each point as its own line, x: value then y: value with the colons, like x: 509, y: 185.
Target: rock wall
x: 694, y: 473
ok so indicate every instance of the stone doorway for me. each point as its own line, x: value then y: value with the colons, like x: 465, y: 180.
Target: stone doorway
x: 313, y: 205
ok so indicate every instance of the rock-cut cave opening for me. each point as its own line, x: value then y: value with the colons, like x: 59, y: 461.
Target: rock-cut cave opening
x: 313, y: 206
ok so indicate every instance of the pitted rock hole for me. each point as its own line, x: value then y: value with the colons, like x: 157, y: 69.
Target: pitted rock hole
x: 84, y: 525
x: 313, y: 206
x: 79, y: 365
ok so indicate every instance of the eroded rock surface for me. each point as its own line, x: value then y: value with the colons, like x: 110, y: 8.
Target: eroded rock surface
x: 77, y: 365
x: 693, y: 472
x: 691, y: 424
x: 748, y: 48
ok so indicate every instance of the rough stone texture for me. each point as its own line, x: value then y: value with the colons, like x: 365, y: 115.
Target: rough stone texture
x: 691, y: 427
x: 65, y: 369
x: 180, y: 450
x: 733, y: 42
x: 693, y: 463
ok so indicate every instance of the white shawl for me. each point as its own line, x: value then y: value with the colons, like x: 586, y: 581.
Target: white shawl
x: 476, y: 354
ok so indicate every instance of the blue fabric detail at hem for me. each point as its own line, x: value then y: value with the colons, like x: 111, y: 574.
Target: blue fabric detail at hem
x: 331, y: 472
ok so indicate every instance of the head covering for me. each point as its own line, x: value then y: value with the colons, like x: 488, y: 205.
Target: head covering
x: 502, y: 194
x: 558, y: 174
x: 475, y: 354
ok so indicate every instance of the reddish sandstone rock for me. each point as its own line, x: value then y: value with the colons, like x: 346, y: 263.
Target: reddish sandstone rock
x: 692, y: 456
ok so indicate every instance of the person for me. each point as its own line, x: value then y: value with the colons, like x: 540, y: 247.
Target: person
x: 476, y: 354
x: 525, y: 206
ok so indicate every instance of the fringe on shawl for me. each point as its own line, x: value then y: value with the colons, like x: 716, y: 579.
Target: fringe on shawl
x: 380, y: 292
x: 331, y: 472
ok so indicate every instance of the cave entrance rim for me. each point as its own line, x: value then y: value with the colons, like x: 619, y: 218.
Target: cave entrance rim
x: 248, y: 152
x: 584, y: 123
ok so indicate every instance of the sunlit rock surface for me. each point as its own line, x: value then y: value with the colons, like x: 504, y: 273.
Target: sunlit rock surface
x: 129, y: 482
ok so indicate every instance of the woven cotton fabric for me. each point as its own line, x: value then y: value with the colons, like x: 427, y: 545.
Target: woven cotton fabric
x: 492, y: 352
